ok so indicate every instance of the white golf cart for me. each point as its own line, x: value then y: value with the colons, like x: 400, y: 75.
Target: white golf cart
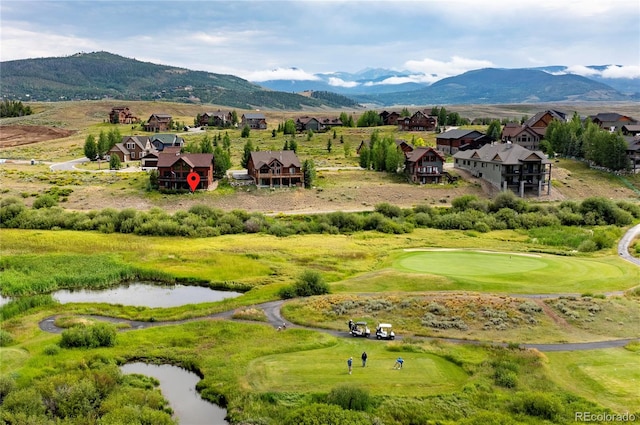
x: 360, y: 329
x: 383, y: 331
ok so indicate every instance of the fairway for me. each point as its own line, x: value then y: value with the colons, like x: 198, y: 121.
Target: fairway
x: 523, y: 273
x: 323, y: 369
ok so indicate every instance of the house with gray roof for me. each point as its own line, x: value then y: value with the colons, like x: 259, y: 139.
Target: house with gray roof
x: 508, y: 166
x: 456, y: 140
x: 255, y: 121
x: 275, y: 169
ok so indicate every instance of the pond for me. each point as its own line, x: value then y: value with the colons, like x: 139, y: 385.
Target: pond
x: 178, y: 386
x: 145, y: 295
x: 141, y: 294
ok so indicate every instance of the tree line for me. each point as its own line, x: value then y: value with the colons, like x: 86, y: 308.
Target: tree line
x: 584, y: 139
x: 12, y: 108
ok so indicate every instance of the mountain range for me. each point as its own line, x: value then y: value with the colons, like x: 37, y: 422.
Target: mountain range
x: 105, y: 75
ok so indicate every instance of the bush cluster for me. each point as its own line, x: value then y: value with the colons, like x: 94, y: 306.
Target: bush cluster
x: 98, y: 335
x: 506, y: 211
x: 308, y: 284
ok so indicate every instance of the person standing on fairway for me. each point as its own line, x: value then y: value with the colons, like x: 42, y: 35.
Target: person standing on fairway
x: 364, y: 358
x: 350, y: 364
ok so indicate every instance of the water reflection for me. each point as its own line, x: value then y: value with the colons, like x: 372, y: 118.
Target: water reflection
x: 178, y: 386
x: 145, y: 295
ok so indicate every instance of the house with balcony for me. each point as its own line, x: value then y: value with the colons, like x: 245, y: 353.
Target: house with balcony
x: 419, y: 121
x: 508, y: 166
x: 275, y: 169
x: 173, y: 169
x: 424, y: 165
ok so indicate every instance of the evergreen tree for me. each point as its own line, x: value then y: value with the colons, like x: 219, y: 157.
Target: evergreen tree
x: 245, y: 132
x: 286, y: 145
x: 205, y: 145
x: 222, y: 162
x: 309, y: 172
x: 494, y: 130
x: 293, y: 145
x: 246, y: 155
x: 289, y: 127
x: 226, y: 142
x: 329, y: 145
x: 365, y: 157
x: 114, y: 162
x: 91, y: 148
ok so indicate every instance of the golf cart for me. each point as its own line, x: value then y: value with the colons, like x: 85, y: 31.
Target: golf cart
x: 360, y: 329
x: 383, y: 331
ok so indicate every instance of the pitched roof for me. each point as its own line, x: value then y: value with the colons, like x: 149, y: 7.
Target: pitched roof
x: 141, y: 141
x: 286, y: 158
x: 254, y: 116
x: 458, y: 134
x: 191, y: 159
x: 161, y: 117
x: 167, y: 139
x: 560, y: 116
x: 505, y: 153
x: 608, y: 117
x: 418, y: 153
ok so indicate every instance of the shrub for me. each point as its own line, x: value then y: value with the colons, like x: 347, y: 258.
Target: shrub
x: 389, y: 210
x: 5, y: 338
x: 51, y: 350
x: 98, y: 335
x: 505, y: 378
x: 321, y: 414
x: 45, y: 201
x: 350, y: 398
x: 537, y: 404
x: 7, y: 384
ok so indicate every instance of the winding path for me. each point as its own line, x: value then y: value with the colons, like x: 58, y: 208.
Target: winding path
x: 275, y: 319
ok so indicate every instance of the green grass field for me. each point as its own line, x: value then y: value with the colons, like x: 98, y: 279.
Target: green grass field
x: 610, y: 376
x: 422, y: 374
x: 520, y: 273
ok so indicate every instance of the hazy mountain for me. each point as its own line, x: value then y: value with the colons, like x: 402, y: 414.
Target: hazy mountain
x: 490, y: 85
x: 101, y: 74
x: 503, y: 86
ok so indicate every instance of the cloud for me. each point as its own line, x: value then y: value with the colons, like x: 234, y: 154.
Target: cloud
x: 434, y: 70
x: 278, y: 74
x: 628, y: 71
x: 414, y: 78
x: 611, y: 71
x: 16, y: 41
x: 339, y: 82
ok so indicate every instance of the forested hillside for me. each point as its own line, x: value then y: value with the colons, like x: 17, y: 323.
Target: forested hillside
x: 105, y: 75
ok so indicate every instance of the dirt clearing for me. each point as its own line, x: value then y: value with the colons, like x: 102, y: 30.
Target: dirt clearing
x: 18, y: 135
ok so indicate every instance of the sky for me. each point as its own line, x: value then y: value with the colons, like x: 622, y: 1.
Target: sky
x: 293, y: 40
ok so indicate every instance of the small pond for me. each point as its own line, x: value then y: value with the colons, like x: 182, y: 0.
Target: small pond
x: 145, y: 295
x: 178, y: 386
x: 141, y: 294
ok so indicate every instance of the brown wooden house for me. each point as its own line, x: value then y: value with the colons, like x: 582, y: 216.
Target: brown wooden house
x: 173, y: 169
x: 158, y: 122
x: 309, y: 123
x: 418, y: 122
x: 254, y: 121
x: 275, y: 169
x: 456, y: 140
x: 216, y: 119
x: 424, y: 165
x: 122, y: 115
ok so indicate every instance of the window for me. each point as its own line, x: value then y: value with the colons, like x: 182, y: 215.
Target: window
x: 133, y: 155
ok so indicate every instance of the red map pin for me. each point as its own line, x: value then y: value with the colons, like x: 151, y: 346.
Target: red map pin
x: 193, y: 179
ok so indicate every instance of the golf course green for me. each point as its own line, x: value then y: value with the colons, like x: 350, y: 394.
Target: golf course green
x: 525, y: 273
